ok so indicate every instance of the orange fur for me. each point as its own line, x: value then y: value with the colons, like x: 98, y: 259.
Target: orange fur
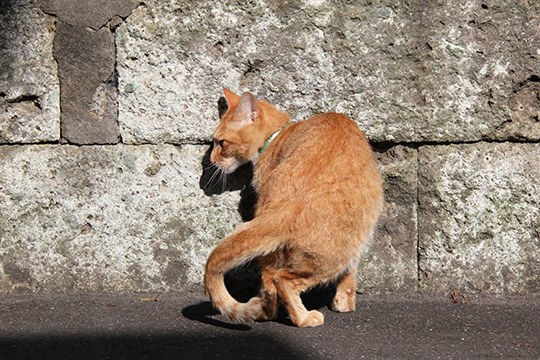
x: 319, y: 198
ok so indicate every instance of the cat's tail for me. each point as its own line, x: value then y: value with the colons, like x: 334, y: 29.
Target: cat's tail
x: 246, y: 244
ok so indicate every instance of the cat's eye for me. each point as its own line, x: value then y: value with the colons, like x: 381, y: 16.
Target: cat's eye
x: 221, y: 143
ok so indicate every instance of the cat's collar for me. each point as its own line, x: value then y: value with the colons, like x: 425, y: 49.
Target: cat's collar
x: 269, y: 140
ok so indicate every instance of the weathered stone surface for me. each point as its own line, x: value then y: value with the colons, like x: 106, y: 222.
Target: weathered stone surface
x: 29, y: 92
x: 390, y: 263
x: 454, y: 71
x: 89, y: 13
x: 479, y: 217
x: 121, y: 218
x: 137, y: 217
x: 86, y: 67
x: 106, y: 218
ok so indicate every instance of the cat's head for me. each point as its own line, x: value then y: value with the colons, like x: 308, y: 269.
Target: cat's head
x: 240, y: 134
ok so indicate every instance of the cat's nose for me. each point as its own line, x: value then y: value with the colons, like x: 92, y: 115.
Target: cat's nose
x: 213, y: 157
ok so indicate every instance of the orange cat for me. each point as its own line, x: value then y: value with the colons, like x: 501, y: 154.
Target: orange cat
x: 319, y: 197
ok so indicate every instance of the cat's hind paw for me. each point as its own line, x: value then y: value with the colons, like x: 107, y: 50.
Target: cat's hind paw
x: 343, y: 302
x: 312, y: 319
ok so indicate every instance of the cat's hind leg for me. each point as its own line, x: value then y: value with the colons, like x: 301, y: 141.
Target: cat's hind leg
x: 269, y: 297
x: 289, y: 286
x: 265, y: 306
x: 344, y: 300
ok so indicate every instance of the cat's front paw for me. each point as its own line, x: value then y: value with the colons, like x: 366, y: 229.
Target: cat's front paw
x: 313, y: 318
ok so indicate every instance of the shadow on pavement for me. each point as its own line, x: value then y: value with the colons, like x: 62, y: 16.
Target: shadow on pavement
x: 202, y: 313
x: 163, y: 347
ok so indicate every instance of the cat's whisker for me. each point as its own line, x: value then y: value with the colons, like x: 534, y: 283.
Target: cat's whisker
x: 209, y: 167
x: 220, y: 180
x: 217, y: 171
x: 215, y: 177
x: 223, y: 181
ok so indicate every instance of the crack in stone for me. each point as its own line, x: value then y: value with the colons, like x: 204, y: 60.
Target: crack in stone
x: 24, y: 98
x: 90, y: 15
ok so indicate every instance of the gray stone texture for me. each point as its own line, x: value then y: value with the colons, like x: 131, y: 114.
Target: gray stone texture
x: 106, y: 218
x: 86, y: 67
x: 390, y: 263
x: 408, y: 72
x: 479, y: 217
x: 29, y: 90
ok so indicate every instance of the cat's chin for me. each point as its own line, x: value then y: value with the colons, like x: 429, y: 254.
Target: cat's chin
x: 231, y: 166
x: 229, y: 169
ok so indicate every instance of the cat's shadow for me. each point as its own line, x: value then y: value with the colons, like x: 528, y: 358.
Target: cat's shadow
x: 213, y: 182
x: 243, y: 282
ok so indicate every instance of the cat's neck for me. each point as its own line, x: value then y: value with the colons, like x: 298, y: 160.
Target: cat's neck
x: 272, y: 119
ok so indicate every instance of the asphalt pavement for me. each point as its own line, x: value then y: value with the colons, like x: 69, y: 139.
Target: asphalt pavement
x: 184, y: 326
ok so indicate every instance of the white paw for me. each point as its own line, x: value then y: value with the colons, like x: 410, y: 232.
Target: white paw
x: 313, y: 318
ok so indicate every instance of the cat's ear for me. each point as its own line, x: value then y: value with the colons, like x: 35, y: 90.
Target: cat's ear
x: 247, y: 109
x: 222, y: 106
x: 232, y: 98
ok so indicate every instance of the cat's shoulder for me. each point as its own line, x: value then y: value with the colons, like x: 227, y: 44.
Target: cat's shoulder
x: 329, y: 120
x: 333, y: 118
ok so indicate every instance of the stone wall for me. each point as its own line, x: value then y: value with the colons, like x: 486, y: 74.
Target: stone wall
x: 107, y: 110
